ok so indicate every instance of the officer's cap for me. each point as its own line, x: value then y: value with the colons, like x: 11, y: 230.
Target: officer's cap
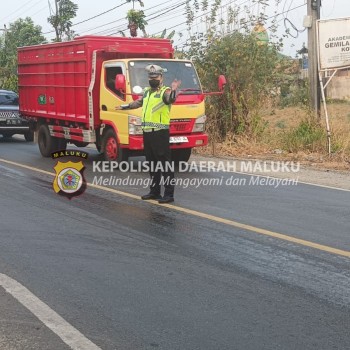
x: 154, y: 71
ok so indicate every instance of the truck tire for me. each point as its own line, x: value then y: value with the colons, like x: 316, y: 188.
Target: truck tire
x: 29, y: 136
x: 80, y: 143
x: 111, y: 148
x: 180, y: 155
x: 61, y: 144
x: 47, y: 143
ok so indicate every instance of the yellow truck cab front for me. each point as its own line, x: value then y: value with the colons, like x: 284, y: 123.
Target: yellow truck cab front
x: 187, y: 113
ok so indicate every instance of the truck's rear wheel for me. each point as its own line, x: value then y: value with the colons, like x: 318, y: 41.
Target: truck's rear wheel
x: 61, y: 144
x: 80, y: 143
x: 111, y: 148
x: 47, y: 143
x: 180, y: 155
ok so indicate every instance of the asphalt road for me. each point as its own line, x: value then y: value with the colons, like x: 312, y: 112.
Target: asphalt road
x: 129, y: 274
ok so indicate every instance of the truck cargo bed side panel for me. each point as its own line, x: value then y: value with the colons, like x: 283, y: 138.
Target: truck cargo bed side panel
x: 54, y: 80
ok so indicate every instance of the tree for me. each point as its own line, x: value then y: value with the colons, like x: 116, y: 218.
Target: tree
x: 22, y: 32
x: 251, y: 72
x: 61, y: 20
x: 231, y: 46
x: 136, y: 19
x: 165, y: 36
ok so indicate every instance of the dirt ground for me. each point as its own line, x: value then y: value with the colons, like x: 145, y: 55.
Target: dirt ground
x: 281, y: 120
x: 315, y: 167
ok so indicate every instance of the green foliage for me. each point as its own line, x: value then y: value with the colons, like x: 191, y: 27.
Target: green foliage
x: 10, y: 82
x: 136, y: 19
x: 133, y: 3
x: 250, y: 70
x: 281, y: 124
x: 294, y: 93
x: 307, y: 136
x: 164, y: 35
x: 22, y: 32
x: 61, y: 21
x: 337, y: 100
x: 254, y: 69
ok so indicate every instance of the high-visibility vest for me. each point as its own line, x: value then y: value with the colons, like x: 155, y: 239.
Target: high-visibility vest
x: 155, y: 113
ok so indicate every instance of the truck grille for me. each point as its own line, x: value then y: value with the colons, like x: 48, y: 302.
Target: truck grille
x: 181, y: 126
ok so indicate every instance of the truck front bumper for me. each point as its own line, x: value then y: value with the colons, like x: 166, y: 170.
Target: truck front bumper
x: 193, y: 140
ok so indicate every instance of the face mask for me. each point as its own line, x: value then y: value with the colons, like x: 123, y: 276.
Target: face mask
x: 154, y: 84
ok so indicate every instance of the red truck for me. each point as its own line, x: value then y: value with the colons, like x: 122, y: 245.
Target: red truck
x: 68, y: 91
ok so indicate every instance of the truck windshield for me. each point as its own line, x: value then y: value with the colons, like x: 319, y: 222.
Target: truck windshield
x: 179, y: 70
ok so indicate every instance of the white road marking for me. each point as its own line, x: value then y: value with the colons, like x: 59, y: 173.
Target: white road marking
x: 275, y: 177
x: 70, y: 335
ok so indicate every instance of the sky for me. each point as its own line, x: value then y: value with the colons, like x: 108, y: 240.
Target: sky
x: 170, y: 15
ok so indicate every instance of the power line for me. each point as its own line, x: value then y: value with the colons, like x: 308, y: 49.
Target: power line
x: 159, y: 13
x: 42, y: 9
x: 24, y: 11
x: 93, y: 17
x: 294, y: 8
x: 179, y: 3
x: 20, y: 8
x: 276, y: 15
x: 201, y: 15
x: 100, y: 14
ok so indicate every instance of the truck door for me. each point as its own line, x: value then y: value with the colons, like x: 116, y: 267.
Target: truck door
x: 110, y: 98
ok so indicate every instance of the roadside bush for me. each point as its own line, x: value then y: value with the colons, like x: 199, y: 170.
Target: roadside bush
x: 307, y: 136
x: 295, y: 94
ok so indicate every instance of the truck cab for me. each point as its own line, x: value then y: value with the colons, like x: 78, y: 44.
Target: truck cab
x: 187, y: 113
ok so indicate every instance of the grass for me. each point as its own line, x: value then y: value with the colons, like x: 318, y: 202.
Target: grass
x: 307, y: 136
x: 289, y: 133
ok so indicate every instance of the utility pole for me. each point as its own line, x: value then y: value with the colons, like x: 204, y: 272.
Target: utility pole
x: 58, y: 37
x: 313, y: 14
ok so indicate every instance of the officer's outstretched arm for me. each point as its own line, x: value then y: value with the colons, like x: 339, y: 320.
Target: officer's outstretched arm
x: 132, y: 105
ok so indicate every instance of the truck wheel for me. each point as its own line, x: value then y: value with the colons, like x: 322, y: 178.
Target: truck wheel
x: 61, y: 143
x: 29, y: 136
x: 80, y: 143
x: 111, y: 148
x: 180, y: 155
x: 47, y: 143
x: 98, y: 147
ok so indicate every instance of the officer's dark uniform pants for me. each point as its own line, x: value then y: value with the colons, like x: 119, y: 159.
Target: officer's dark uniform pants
x: 158, y: 156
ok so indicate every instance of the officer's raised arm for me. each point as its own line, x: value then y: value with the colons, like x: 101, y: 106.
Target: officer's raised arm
x: 169, y: 96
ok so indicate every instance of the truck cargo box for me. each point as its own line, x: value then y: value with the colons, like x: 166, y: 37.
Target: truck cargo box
x: 60, y: 81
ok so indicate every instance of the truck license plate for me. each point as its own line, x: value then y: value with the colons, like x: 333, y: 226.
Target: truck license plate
x: 178, y: 139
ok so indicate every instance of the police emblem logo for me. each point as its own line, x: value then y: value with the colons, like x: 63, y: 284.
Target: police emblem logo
x: 152, y: 69
x: 69, y: 180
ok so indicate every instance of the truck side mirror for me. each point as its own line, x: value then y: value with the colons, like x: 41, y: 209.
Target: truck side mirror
x: 221, y: 82
x: 120, y: 82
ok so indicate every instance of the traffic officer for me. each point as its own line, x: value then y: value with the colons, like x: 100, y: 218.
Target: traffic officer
x: 156, y: 104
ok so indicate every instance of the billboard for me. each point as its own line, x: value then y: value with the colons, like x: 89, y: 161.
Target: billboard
x: 333, y: 43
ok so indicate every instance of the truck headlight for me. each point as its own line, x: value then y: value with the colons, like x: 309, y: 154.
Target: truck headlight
x: 135, y: 125
x: 199, y: 125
